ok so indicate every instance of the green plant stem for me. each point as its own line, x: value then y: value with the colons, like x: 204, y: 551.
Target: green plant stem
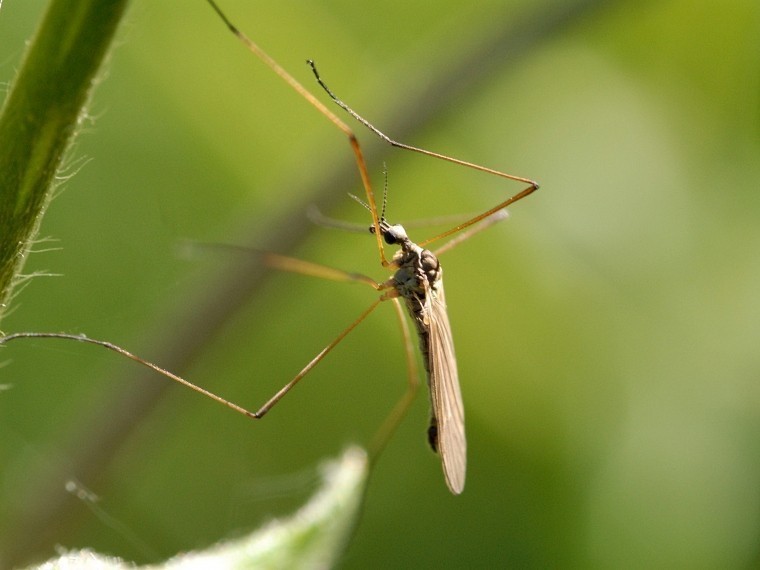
x: 40, y: 118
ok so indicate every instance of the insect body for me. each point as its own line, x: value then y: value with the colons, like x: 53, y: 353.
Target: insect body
x: 419, y: 280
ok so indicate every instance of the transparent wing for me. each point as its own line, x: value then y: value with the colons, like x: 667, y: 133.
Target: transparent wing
x: 445, y: 393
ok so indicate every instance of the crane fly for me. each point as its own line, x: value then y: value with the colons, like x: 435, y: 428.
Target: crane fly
x: 417, y: 281
x: 418, y: 278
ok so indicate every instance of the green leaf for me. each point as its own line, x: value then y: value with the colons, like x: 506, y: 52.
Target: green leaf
x: 313, y: 537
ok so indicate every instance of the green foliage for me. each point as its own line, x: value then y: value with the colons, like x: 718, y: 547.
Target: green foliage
x: 606, y: 333
x: 314, y: 537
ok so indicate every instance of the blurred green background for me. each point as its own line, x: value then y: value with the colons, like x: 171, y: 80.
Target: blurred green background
x: 607, y: 333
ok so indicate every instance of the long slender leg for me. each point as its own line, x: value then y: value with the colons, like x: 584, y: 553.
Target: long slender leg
x: 361, y: 164
x: 110, y: 346
x: 274, y: 260
x: 532, y: 185
x: 386, y: 430
x: 255, y: 415
x: 486, y: 223
x: 332, y: 117
x: 392, y: 421
x: 519, y: 196
x: 294, y: 265
x: 285, y: 389
x: 290, y: 264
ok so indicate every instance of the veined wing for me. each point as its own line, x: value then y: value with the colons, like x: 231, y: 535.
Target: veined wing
x: 446, y: 396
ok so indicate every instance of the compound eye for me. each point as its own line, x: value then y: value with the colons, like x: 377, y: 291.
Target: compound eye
x: 390, y: 238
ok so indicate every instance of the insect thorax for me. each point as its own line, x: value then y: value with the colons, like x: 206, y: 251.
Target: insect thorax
x: 418, y: 271
x: 418, y: 276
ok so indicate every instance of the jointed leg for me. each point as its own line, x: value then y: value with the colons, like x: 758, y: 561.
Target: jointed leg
x: 294, y: 265
x: 290, y: 80
x: 255, y: 415
x: 399, y: 410
x: 532, y: 185
x: 486, y: 223
x: 285, y: 389
x: 123, y: 352
x: 273, y: 260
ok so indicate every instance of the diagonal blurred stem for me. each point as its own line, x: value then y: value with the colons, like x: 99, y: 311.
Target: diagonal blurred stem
x: 199, y: 319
